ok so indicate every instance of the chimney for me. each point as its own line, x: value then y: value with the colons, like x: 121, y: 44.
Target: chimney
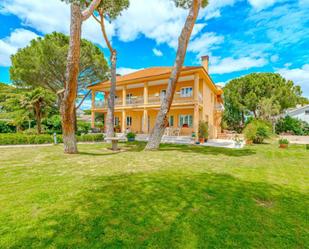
x: 205, y: 62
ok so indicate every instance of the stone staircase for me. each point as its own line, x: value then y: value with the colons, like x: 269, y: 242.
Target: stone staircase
x: 168, y: 139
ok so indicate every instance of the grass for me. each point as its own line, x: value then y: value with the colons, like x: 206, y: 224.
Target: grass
x: 178, y: 197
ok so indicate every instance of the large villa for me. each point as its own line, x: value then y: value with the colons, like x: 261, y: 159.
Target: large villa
x: 139, y: 95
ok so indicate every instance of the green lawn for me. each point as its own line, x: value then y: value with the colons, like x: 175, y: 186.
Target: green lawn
x: 178, y: 197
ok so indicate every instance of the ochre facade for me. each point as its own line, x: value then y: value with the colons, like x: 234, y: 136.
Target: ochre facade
x: 139, y: 95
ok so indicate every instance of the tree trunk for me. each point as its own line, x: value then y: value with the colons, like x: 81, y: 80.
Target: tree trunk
x: 38, y: 117
x: 111, y: 98
x: 161, y: 121
x: 72, y: 71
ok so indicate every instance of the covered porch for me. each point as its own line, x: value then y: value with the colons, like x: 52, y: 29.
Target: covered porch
x: 141, y: 121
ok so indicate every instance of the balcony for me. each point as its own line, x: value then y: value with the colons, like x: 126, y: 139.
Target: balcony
x: 152, y: 100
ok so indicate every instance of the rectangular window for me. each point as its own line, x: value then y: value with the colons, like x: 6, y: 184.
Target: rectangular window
x: 186, y: 92
x: 185, y: 121
x: 171, y: 121
x: 116, y: 121
x: 162, y: 94
x: 129, y: 121
x: 129, y: 98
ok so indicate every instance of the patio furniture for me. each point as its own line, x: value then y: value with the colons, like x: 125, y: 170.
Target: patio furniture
x: 176, y: 132
x: 114, y: 141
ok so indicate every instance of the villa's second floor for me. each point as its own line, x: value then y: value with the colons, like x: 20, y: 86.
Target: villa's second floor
x: 148, y: 87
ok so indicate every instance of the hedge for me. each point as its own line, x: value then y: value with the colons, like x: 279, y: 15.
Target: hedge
x: 18, y: 138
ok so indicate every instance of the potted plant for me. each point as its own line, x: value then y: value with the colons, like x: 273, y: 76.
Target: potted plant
x: 237, y: 141
x: 203, y: 131
x: 117, y: 128
x: 283, y: 143
x: 131, y: 136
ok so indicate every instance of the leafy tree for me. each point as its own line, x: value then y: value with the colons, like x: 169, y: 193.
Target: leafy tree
x: 110, y: 9
x: 38, y: 102
x: 43, y: 64
x: 262, y: 95
x: 21, y: 106
x: 183, y: 41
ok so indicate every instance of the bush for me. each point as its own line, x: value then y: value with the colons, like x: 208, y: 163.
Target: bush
x: 293, y: 126
x: 283, y: 141
x: 131, y: 135
x: 19, y: 138
x: 203, y: 129
x: 83, y: 127
x: 257, y: 131
x: 91, y: 138
x: 5, y: 127
x: 53, y: 124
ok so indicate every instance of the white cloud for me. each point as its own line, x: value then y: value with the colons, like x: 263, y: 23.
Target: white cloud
x: 300, y: 76
x: 213, y: 8
x: 229, y: 65
x: 156, y: 19
x: 204, y: 44
x: 274, y: 58
x: 157, y: 52
x: 52, y: 15
x: 261, y: 4
x: 126, y: 70
x: 19, y: 38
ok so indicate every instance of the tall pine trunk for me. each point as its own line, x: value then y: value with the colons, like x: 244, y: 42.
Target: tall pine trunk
x: 183, y: 40
x: 111, y: 98
x: 72, y: 71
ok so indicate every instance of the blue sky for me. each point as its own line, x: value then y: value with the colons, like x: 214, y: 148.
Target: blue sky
x: 240, y: 36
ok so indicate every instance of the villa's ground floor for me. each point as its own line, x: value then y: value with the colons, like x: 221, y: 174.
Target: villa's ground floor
x: 183, y: 121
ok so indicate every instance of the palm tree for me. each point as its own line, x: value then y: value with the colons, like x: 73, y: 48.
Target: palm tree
x: 38, y: 102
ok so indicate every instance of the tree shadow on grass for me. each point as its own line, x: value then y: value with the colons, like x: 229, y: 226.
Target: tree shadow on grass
x: 207, y: 150
x: 171, y: 210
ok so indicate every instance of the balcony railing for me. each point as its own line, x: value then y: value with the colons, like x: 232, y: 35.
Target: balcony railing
x: 152, y: 100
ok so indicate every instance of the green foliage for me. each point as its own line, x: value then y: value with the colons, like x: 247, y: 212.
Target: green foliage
x: 43, y: 63
x: 87, y: 112
x: 131, y: 135
x: 91, y: 138
x: 113, y: 8
x: 187, y: 3
x: 292, y: 125
x: 53, y: 124
x: 6, y: 127
x: 203, y: 129
x: 283, y: 141
x: 257, y: 131
x: 20, y: 138
x: 262, y: 95
x: 83, y: 127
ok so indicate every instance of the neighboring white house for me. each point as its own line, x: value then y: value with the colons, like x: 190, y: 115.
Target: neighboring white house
x: 300, y: 112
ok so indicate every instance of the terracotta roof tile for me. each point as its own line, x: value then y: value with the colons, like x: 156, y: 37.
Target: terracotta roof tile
x: 148, y: 72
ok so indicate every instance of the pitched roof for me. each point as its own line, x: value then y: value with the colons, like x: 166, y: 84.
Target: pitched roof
x: 147, y: 72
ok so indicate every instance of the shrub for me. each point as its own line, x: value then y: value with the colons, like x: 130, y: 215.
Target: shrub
x: 91, y: 138
x: 19, y: 138
x: 203, y: 129
x: 83, y: 127
x: 257, y: 131
x: 283, y: 141
x: 6, y: 127
x: 53, y: 124
x: 292, y: 125
x: 131, y: 135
